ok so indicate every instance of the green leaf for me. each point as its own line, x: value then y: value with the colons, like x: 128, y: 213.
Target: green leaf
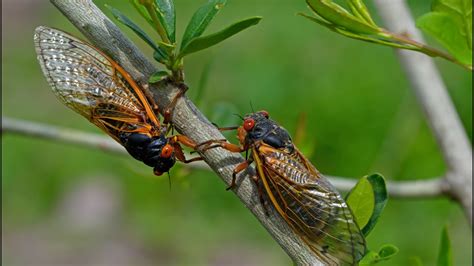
x: 370, y: 258
x: 160, y: 56
x: 166, y: 47
x: 201, y: 19
x: 361, y: 200
x: 386, y: 252
x: 445, y: 256
x: 340, y: 17
x: 450, y: 23
x: 445, y: 30
x: 360, y: 10
x: 157, y: 76
x: 204, y: 42
x: 461, y: 12
x: 142, y: 10
x: 367, y: 201
x: 381, y: 196
x: 127, y: 22
x: 167, y: 16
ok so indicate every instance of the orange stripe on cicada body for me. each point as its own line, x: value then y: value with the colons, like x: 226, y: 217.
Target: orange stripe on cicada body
x: 305, y: 199
x: 92, y: 84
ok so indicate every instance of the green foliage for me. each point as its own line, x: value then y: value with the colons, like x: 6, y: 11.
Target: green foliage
x: 361, y: 200
x: 385, y: 252
x: 157, y: 76
x: 167, y: 16
x: 201, y: 19
x: 134, y: 27
x: 201, y: 43
x: 450, y: 23
x: 445, y: 256
x: 360, y: 10
x: 340, y: 17
x: 367, y: 201
x: 161, y: 15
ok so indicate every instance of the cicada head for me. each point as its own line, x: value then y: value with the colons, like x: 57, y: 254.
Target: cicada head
x: 160, y: 155
x: 259, y: 127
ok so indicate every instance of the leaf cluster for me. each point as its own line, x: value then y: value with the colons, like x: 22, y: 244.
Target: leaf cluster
x: 450, y: 23
x: 161, y: 16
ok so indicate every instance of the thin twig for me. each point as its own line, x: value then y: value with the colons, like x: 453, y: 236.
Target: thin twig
x: 438, y: 108
x: 187, y: 119
x: 433, y: 187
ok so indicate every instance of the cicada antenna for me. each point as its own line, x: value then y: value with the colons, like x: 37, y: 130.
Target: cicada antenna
x: 169, y: 180
x: 239, y: 116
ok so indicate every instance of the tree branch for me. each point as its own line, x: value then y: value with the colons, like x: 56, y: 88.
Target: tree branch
x: 187, y: 119
x: 433, y: 187
x: 437, y: 106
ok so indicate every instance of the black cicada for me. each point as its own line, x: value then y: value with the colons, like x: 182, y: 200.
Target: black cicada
x: 93, y: 85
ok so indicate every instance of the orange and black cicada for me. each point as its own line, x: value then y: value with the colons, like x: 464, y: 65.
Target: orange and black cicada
x: 92, y: 84
x: 305, y: 199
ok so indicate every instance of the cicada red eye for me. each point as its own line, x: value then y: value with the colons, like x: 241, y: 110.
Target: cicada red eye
x: 249, y: 123
x: 167, y: 151
x: 264, y: 113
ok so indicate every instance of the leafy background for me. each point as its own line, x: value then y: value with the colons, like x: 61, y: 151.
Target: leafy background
x: 361, y: 118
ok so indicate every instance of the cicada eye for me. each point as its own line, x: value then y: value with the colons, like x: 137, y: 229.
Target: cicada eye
x: 249, y: 123
x: 167, y: 151
x: 265, y: 113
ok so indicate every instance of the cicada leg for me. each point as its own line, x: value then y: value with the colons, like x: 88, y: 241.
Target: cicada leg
x: 221, y: 143
x: 168, y: 111
x: 239, y: 168
x: 181, y: 139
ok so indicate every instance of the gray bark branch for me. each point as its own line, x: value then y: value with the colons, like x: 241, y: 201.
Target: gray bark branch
x: 438, y: 108
x: 433, y: 187
x: 187, y: 119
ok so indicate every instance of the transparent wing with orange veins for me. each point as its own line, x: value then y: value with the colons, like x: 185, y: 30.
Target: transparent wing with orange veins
x: 92, y: 84
x: 310, y: 205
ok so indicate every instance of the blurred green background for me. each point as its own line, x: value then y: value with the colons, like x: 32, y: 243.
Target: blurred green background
x: 67, y: 205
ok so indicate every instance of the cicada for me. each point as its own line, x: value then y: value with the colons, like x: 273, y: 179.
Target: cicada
x: 92, y: 84
x: 305, y: 199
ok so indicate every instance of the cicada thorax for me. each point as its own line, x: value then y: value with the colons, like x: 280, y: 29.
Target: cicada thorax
x: 310, y: 205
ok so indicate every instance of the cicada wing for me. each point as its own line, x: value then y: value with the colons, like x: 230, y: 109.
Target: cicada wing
x: 93, y: 85
x: 311, y: 206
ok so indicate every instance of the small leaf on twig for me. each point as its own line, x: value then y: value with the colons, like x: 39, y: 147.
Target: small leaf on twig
x: 360, y: 10
x: 157, y: 76
x: 142, y: 10
x: 201, y: 19
x: 385, y: 252
x: 337, y: 15
x: 367, y: 201
x: 167, y: 16
x: 130, y: 24
x: 204, y: 42
x: 450, y: 23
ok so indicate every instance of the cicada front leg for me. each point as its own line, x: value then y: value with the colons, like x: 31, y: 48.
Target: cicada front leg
x: 181, y: 139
